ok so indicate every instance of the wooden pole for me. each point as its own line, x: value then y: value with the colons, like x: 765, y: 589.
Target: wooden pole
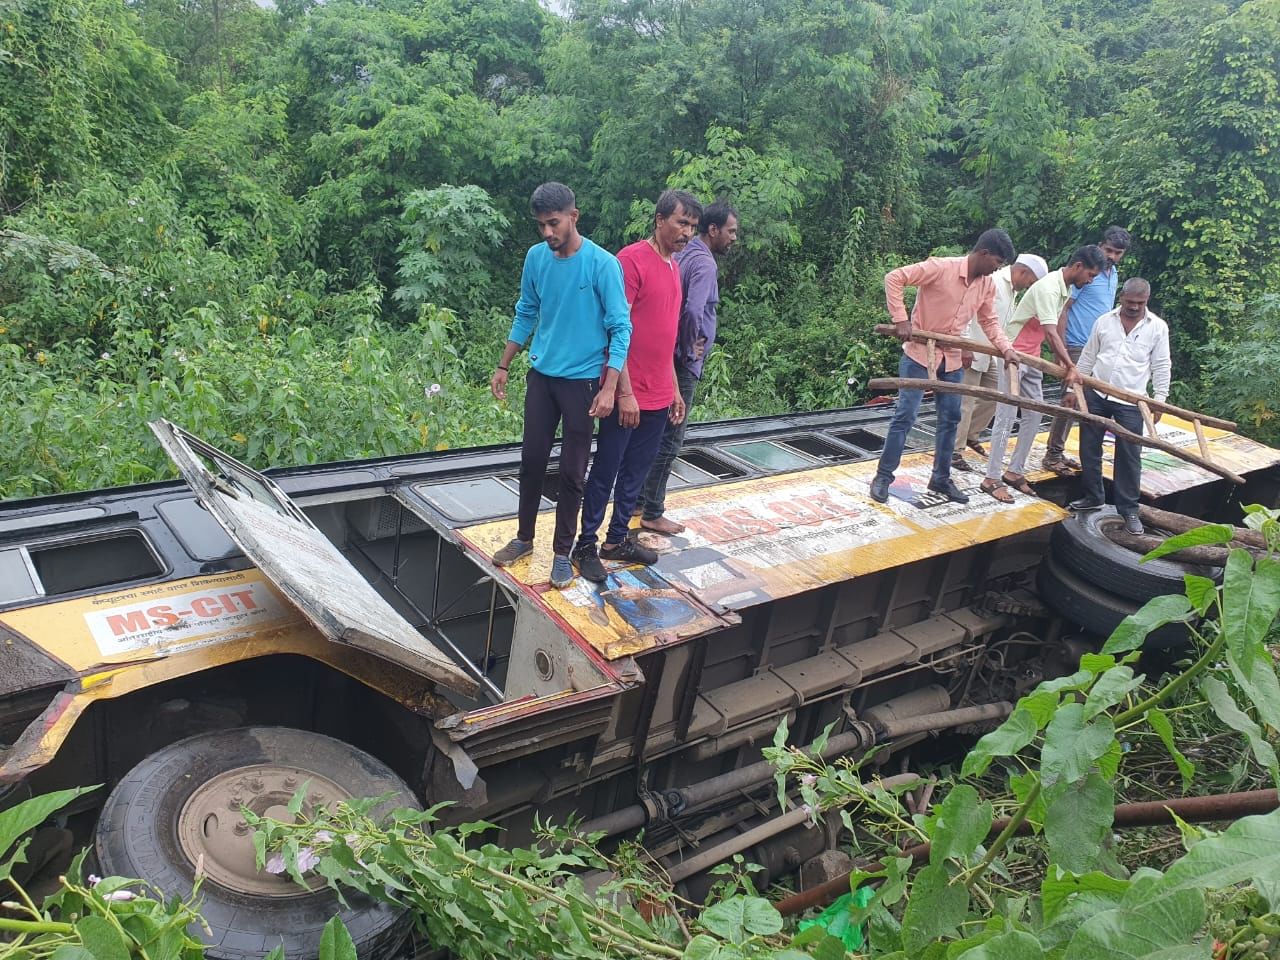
x: 1149, y: 420
x: 1056, y: 370
x: 984, y: 393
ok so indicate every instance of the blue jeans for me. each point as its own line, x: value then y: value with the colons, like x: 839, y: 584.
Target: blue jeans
x: 623, y: 458
x: 904, y: 416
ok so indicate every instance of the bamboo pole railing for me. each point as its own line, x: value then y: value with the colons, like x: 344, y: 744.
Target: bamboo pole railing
x: 1145, y: 404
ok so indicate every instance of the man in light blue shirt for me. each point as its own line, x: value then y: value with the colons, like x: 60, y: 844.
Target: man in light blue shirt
x: 573, y: 305
x: 1086, y: 305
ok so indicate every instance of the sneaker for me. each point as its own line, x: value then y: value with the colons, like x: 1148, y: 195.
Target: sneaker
x: 587, y: 560
x: 561, y: 572
x: 1084, y: 505
x: 629, y: 551
x: 880, y: 489
x: 1132, y: 524
x: 512, y: 552
x: 949, y: 489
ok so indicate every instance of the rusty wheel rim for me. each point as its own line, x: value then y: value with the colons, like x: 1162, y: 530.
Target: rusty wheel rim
x: 212, y: 830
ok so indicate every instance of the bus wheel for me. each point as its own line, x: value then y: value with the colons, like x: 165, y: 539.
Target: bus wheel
x: 182, y: 806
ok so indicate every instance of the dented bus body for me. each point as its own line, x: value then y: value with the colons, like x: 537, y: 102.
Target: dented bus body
x: 358, y: 602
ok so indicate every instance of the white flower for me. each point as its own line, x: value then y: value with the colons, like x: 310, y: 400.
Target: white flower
x: 119, y: 895
x: 324, y: 836
x: 850, y: 381
x: 93, y: 879
x: 307, y: 859
x: 133, y: 201
x: 809, y: 779
x: 141, y: 220
x: 106, y: 356
x: 432, y: 390
x: 275, y: 863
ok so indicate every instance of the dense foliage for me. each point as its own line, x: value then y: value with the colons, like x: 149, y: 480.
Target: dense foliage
x: 199, y: 195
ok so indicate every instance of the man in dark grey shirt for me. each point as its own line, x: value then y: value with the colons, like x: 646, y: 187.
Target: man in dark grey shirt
x: 700, y: 278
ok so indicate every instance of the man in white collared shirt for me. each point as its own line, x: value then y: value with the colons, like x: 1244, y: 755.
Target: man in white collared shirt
x: 1129, y: 348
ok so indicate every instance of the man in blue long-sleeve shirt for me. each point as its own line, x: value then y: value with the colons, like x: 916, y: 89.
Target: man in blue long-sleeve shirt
x: 573, y: 304
x: 700, y: 278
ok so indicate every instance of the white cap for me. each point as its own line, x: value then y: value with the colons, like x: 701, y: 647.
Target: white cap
x: 1033, y: 263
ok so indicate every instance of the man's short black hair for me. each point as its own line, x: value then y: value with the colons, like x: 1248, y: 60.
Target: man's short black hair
x: 552, y: 197
x: 671, y: 199
x: 716, y: 214
x: 1117, y: 237
x: 1091, y: 256
x: 997, y: 241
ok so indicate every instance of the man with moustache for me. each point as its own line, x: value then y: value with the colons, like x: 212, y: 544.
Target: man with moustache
x: 700, y: 280
x: 1086, y: 305
x: 573, y: 304
x: 949, y: 290
x: 648, y: 391
x: 1128, y: 348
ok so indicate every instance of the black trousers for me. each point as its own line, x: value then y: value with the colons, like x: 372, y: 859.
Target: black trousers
x: 549, y: 402
x: 1127, y: 472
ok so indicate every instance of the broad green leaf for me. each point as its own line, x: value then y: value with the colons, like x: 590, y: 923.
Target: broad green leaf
x: 1159, y: 722
x: 1247, y: 850
x: 1250, y: 601
x: 277, y: 953
x: 1111, y: 688
x: 71, y: 952
x: 1059, y: 888
x: 1040, y: 704
x: 883, y: 930
x: 935, y: 909
x: 335, y: 941
x: 1073, y: 681
x: 29, y: 814
x: 298, y: 799
x: 738, y: 918
x: 960, y: 824
x: 1210, y: 533
x: 1149, y: 924
x: 702, y: 947
x: 1219, y: 698
x: 1078, y: 818
x: 1201, y: 591
x: 1154, y: 614
x: 1097, y: 663
x: 760, y: 917
x: 1014, y: 945
x: 1071, y: 746
x: 1020, y: 784
x: 101, y: 938
x: 1018, y: 730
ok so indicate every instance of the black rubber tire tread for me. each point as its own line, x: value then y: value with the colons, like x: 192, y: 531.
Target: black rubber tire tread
x: 136, y: 836
x: 1079, y: 545
x: 1095, y: 610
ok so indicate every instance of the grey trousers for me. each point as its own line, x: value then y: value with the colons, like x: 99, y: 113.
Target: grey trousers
x: 1061, y: 425
x: 1030, y: 382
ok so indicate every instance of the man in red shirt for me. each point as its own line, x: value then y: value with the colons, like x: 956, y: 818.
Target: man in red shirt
x: 647, y: 390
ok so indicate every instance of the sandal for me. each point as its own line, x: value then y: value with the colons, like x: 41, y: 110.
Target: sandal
x: 977, y: 447
x: 996, y: 489
x: 1063, y: 467
x: 1019, y: 483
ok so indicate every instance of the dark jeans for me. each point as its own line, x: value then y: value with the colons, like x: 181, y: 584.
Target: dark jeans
x: 654, y: 496
x: 548, y: 401
x: 904, y: 415
x: 1127, y: 475
x: 1061, y: 425
x: 623, y: 458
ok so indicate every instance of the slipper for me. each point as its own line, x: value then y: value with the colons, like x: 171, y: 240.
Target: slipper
x: 1019, y: 483
x: 1062, y: 467
x: 977, y: 447
x: 997, y: 490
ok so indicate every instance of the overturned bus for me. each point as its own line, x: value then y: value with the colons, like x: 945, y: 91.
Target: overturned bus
x: 212, y: 644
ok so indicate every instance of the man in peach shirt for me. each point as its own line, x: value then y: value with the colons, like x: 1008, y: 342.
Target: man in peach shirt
x: 949, y: 291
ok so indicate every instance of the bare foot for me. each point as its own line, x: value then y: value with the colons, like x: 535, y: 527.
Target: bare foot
x: 663, y: 525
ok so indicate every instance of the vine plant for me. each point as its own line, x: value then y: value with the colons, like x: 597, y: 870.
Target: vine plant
x: 958, y: 905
